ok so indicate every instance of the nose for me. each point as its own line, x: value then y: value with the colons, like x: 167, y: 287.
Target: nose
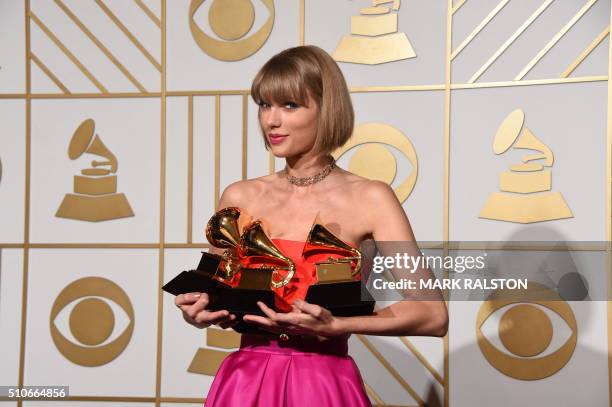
x: 273, y: 117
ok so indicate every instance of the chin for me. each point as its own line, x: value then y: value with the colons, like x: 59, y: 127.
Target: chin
x: 279, y: 152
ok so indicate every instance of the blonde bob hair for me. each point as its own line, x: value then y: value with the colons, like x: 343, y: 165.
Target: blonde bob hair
x: 292, y: 74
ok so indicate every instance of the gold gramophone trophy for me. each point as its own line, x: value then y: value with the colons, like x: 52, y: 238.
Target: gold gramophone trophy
x: 525, y: 191
x: 266, y: 260
x: 245, y: 273
x: 223, y: 231
x: 374, y: 37
x: 95, y: 195
x: 338, y: 286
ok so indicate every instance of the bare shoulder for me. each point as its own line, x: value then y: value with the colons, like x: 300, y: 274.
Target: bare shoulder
x: 370, y: 192
x: 240, y: 193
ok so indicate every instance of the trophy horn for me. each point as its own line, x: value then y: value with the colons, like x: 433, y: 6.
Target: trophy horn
x: 255, y: 242
x: 321, y: 238
x: 222, y: 229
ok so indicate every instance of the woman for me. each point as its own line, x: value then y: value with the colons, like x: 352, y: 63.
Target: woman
x: 305, y: 113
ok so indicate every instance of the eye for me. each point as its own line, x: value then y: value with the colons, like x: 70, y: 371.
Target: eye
x: 231, y: 30
x: 290, y: 105
x: 263, y: 105
x: 384, y: 145
x: 92, y: 321
x: 527, y: 339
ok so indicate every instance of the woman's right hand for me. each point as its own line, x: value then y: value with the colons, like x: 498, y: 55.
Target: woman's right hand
x: 193, y: 306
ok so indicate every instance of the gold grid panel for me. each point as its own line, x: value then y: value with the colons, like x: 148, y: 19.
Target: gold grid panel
x: 137, y: 64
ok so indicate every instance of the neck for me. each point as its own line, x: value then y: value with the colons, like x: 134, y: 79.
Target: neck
x: 304, y: 166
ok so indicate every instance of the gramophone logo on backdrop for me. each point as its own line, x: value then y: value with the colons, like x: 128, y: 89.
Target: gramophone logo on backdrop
x: 526, y: 194
x: 374, y: 38
x: 231, y: 20
x: 95, y: 195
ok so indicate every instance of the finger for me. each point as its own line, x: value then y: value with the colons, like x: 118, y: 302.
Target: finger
x: 267, y: 310
x: 209, y: 317
x: 185, y: 299
x: 312, y: 309
x: 195, y: 308
x: 258, y: 320
x: 198, y: 306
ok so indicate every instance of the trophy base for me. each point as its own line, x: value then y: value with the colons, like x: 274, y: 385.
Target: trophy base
x: 346, y: 299
x: 237, y: 301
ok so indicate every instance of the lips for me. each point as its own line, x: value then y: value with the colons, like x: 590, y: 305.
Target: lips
x: 276, y: 138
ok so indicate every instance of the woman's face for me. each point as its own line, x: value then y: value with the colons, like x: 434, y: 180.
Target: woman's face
x: 290, y: 128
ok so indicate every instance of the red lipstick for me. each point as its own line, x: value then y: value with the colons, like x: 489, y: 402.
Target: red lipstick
x: 276, y: 138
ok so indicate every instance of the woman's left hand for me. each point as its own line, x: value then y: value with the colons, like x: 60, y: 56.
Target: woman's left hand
x: 304, y: 319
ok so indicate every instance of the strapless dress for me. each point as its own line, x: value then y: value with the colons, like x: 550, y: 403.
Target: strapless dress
x: 302, y: 371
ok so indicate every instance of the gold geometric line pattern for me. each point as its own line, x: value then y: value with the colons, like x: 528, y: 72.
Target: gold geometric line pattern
x: 100, y: 46
x: 421, y: 359
x: 148, y: 12
x: 554, y: 40
x: 128, y: 34
x: 49, y: 74
x: 67, y: 52
x: 587, y: 51
x: 211, y: 92
x: 479, y: 28
x: 114, y: 95
x: 529, y: 82
x: 271, y: 163
x: 162, y: 212
x: 363, y: 89
x: 245, y: 137
x: 190, y: 169
x: 391, y: 369
x: 510, y: 40
x: 594, y: 247
x: 217, y: 149
x: 374, y: 395
x: 457, y: 6
x: 609, y: 211
x: 448, y: 46
x: 94, y: 245
x: 26, y: 217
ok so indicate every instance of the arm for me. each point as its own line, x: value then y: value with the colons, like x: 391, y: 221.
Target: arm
x: 388, y: 223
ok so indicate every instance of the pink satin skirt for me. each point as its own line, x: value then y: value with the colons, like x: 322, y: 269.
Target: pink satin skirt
x: 266, y: 372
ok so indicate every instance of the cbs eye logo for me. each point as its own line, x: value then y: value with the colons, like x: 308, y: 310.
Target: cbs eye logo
x: 231, y: 20
x: 373, y: 159
x: 91, y: 320
x: 532, y: 346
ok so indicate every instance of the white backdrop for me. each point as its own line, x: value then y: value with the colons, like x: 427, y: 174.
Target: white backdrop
x: 182, y: 126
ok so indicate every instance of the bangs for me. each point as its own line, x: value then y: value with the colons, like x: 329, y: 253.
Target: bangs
x: 280, y: 81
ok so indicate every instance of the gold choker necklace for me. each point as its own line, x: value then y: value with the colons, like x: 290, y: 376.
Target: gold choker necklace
x: 313, y: 179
